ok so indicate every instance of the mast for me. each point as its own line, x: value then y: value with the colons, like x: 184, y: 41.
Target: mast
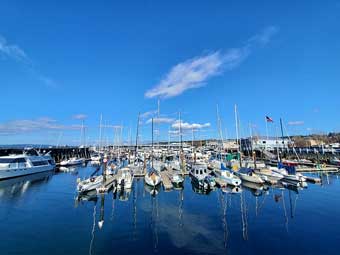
x: 237, y: 135
x: 192, y: 137
x: 180, y: 130
x: 169, y: 139
x: 81, y: 132
x: 100, y: 131
x: 152, y: 145
x: 283, y: 139
x: 158, y: 130
x: 180, y: 137
x: 136, y: 146
x: 251, y: 138
x: 219, y: 129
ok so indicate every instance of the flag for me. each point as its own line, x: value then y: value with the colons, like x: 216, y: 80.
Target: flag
x: 268, y: 119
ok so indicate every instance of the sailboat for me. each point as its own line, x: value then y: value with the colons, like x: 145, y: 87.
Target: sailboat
x: 268, y: 174
x: 224, y: 173
x: 248, y: 174
x: 90, y: 184
x: 95, y: 182
x: 289, y: 173
x: 153, y: 177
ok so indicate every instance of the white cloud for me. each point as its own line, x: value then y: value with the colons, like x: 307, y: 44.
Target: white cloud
x: 15, y: 52
x: 33, y: 125
x: 186, y: 125
x: 160, y: 120
x: 193, y: 73
x: 187, y: 75
x: 296, y: 123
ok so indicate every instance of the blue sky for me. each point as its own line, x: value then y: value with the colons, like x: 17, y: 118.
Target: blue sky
x: 60, y: 59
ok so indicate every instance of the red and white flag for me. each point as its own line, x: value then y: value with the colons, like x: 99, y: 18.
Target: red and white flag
x: 268, y: 119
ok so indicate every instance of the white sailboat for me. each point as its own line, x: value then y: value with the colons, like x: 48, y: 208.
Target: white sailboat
x: 268, y: 174
x: 153, y: 178
x: 247, y: 174
x: 222, y: 172
x: 90, y: 184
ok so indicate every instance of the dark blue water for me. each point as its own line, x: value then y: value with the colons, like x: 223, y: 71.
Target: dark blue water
x: 41, y: 215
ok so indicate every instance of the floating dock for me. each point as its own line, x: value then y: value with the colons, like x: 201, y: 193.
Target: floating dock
x: 317, y: 169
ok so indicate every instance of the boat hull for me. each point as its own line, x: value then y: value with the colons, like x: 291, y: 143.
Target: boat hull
x: 13, y: 173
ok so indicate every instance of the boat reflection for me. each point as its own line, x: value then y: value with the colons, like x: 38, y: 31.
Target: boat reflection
x: 124, y: 194
x: 200, y: 190
x: 68, y: 169
x: 19, y: 185
x: 255, y: 188
x: 231, y: 189
x: 89, y: 196
x: 153, y: 191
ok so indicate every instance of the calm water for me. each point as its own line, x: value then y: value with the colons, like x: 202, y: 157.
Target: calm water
x: 40, y: 215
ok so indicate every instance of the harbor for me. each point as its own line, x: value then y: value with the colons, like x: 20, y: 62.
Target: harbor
x: 169, y: 127
x: 187, y: 197
x: 180, y: 221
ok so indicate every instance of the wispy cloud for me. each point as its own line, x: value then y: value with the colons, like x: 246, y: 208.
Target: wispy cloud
x: 80, y: 116
x: 194, y: 73
x: 296, y: 123
x: 16, y: 53
x: 160, y: 120
x: 148, y: 114
x: 186, y: 125
x: 33, y: 125
x: 12, y: 51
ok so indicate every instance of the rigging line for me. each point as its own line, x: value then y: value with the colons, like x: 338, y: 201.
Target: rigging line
x: 285, y: 210
x: 93, y: 228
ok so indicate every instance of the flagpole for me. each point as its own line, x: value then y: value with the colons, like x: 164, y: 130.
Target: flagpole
x: 265, y: 119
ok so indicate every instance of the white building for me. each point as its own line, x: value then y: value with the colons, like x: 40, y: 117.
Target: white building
x: 261, y: 143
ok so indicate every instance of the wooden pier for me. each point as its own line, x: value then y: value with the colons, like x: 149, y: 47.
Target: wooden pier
x: 166, y: 180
